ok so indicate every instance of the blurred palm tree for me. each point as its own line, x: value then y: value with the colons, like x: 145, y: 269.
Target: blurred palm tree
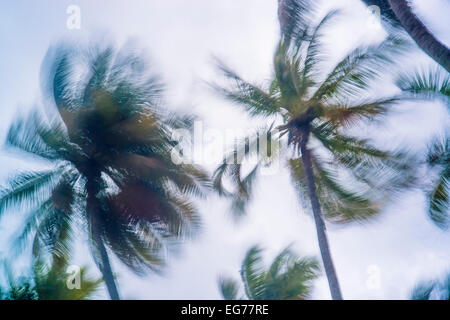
x: 434, y: 85
x: 109, y: 146
x: 345, y: 178
x: 288, y: 277
x: 48, y: 283
x: 432, y: 290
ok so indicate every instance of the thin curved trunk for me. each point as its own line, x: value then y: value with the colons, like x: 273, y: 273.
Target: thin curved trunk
x: 92, y: 207
x: 420, y: 33
x: 320, y: 225
x: 106, y: 271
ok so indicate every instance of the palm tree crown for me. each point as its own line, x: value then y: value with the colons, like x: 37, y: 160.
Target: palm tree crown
x: 287, y: 278
x: 318, y: 112
x: 312, y: 113
x: 110, y: 150
x: 49, y: 283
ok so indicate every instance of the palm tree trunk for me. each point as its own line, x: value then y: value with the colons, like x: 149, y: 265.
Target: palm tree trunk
x: 93, y: 207
x: 320, y: 225
x: 106, y: 270
x: 420, y: 33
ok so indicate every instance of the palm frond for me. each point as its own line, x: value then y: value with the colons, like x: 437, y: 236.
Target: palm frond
x: 48, y: 282
x: 354, y: 74
x: 422, y: 291
x: 27, y: 189
x: 432, y: 290
x: 339, y: 204
x: 99, y: 61
x: 23, y: 135
x: 137, y: 244
x: 313, y: 55
x: 252, y: 273
x: 232, y: 167
x: 430, y: 84
x: 347, y: 114
x: 289, y: 81
x: 379, y: 169
x: 288, y: 277
x: 295, y: 16
x: 254, y: 99
x: 439, y: 202
x: 228, y: 288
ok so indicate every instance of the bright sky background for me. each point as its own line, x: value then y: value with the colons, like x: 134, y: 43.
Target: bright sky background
x: 182, y: 37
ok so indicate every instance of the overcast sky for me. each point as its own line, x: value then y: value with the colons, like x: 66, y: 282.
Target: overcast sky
x: 182, y: 37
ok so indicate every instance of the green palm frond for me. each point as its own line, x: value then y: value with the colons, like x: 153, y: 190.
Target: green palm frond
x: 426, y: 84
x: 288, y: 76
x: 432, y: 290
x: 27, y: 189
x: 353, y: 179
x: 379, y: 169
x: 51, y: 283
x: 295, y: 18
x: 339, y: 204
x: 422, y: 291
x: 291, y: 276
x: 252, y: 273
x: 59, y: 61
x: 314, y: 55
x: 48, y: 282
x: 439, y: 200
x: 354, y: 74
x: 348, y: 114
x: 131, y: 232
x: 17, y: 288
x: 434, y: 84
x: 263, y: 146
x: 21, y: 137
x: 288, y: 277
x: 41, y: 137
x: 228, y: 288
x: 50, y: 223
x: 256, y: 100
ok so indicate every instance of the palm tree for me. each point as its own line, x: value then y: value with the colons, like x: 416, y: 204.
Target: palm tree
x: 288, y: 277
x: 48, y: 283
x: 401, y: 14
x: 18, y: 289
x: 110, y: 171
x: 432, y: 290
x: 434, y: 85
x: 312, y: 113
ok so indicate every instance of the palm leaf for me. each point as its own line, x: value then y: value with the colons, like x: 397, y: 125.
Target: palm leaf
x: 228, y: 288
x: 426, y: 84
x: 232, y: 167
x: 255, y: 100
x: 439, y: 157
x: 352, y: 76
x: 252, y: 273
x: 288, y: 277
x: 432, y: 290
x: 27, y: 189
